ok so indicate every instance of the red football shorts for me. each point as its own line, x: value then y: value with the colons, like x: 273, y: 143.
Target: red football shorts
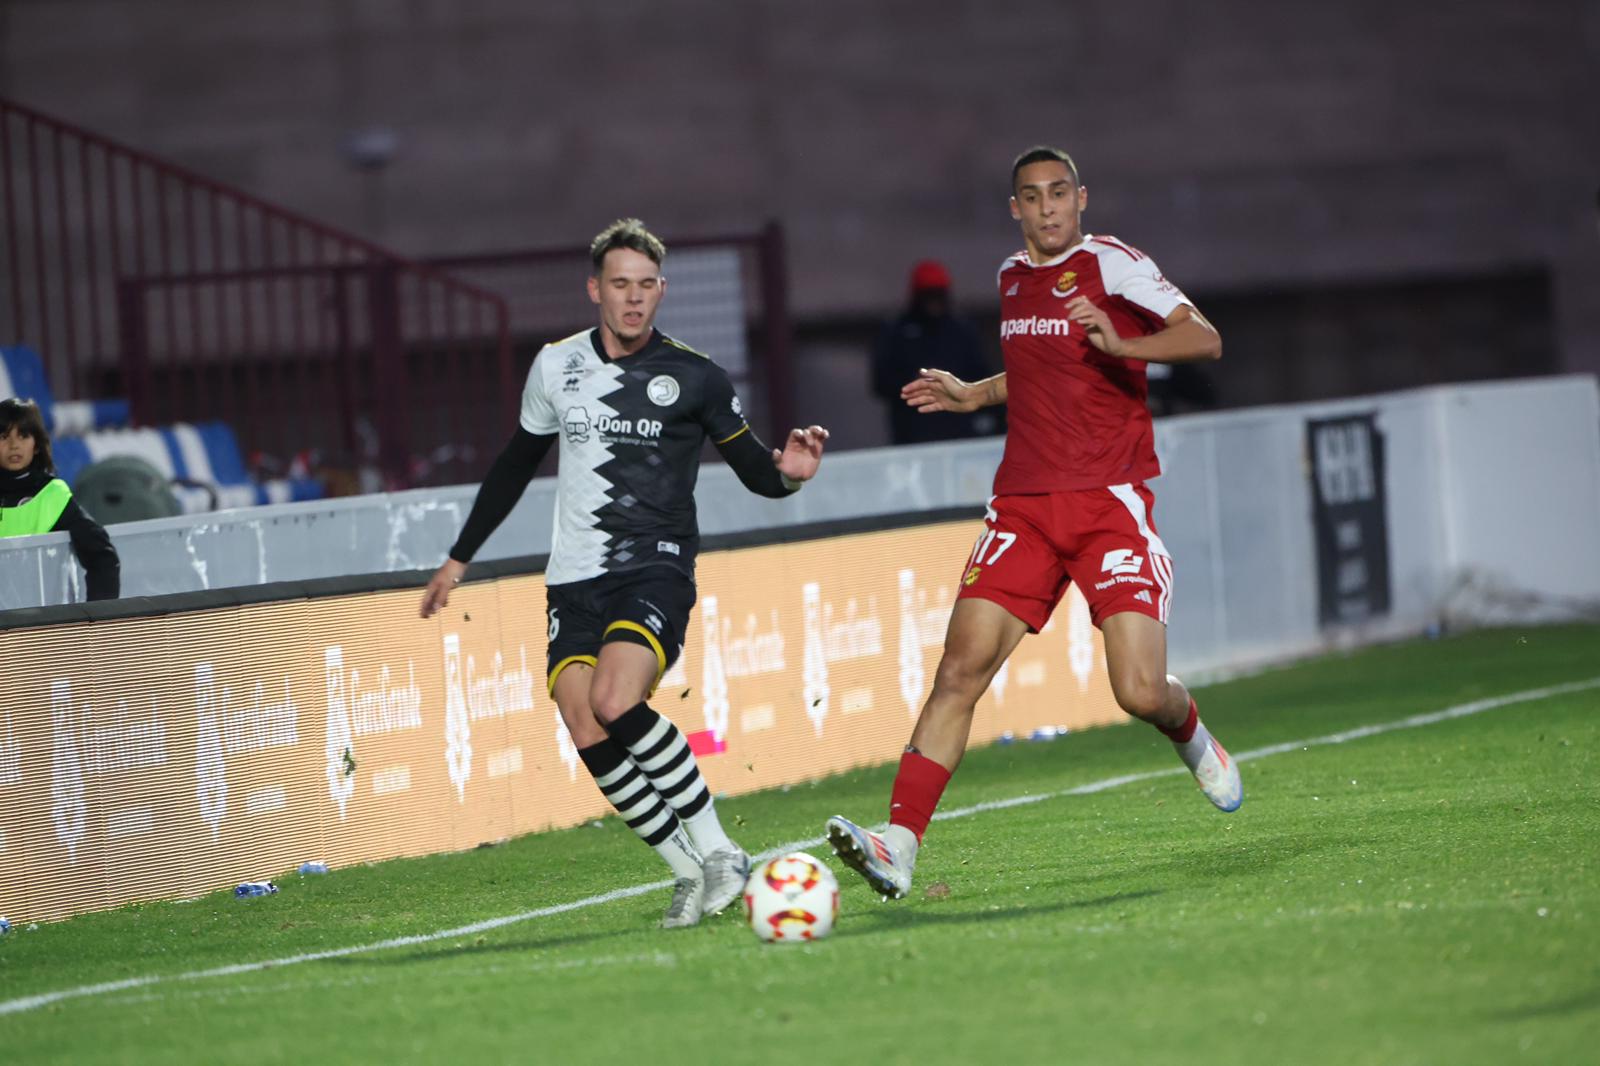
x: 1032, y: 547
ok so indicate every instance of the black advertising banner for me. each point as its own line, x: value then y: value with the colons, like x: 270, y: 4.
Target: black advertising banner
x: 1349, y: 512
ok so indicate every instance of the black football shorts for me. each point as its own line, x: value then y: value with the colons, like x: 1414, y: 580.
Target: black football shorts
x: 649, y: 607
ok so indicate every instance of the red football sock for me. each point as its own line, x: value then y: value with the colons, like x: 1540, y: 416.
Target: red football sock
x: 917, y: 788
x: 1185, y: 732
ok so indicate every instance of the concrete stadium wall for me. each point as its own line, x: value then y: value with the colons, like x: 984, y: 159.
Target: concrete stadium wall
x: 1493, y: 514
x: 1244, y: 145
x: 1493, y: 502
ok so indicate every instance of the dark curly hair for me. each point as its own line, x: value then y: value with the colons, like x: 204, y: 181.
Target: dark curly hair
x: 25, y: 417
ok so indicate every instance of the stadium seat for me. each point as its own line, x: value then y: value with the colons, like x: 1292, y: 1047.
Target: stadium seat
x: 202, y: 463
x: 22, y: 374
x: 83, y: 416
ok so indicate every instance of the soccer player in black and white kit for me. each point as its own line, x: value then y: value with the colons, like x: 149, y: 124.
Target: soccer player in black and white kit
x: 631, y: 407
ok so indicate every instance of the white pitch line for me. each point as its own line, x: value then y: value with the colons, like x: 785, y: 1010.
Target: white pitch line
x: 1416, y: 721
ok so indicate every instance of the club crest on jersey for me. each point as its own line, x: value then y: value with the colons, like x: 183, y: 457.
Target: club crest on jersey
x: 574, y: 361
x: 663, y: 390
x: 1066, y: 282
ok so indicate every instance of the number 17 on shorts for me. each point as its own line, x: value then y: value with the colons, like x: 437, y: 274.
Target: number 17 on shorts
x: 1015, y: 567
x: 992, y: 544
x: 1033, y: 547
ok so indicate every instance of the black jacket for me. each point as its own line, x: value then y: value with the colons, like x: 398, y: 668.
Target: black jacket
x: 912, y: 342
x: 90, y: 542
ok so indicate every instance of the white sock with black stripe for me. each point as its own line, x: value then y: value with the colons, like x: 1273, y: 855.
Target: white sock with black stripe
x: 640, y: 806
x: 658, y: 748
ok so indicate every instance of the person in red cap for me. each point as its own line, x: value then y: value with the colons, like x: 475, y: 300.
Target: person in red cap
x: 929, y: 334
x: 930, y: 276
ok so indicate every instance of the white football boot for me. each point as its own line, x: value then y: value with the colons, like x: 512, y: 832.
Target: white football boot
x: 724, y: 873
x: 688, y: 903
x: 1214, y: 770
x: 871, y: 856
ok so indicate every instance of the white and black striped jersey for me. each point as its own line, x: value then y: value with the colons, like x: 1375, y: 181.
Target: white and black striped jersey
x: 631, y: 430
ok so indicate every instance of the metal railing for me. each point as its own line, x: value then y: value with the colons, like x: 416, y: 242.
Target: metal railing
x: 133, y: 276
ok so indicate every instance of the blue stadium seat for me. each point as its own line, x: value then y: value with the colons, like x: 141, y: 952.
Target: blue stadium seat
x: 71, y: 455
x: 22, y: 374
x: 82, y: 416
x: 206, y: 454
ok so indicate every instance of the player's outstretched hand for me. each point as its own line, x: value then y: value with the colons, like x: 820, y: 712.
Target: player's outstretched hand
x: 940, y: 390
x: 801, y: 454
x: 437, y: 594
x: 1096, y: 324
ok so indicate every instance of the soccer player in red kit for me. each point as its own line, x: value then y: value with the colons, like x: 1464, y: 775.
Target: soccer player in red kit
x: 1080, y: 317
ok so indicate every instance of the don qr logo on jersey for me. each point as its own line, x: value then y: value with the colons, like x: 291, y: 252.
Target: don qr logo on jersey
x: 663, y: 390
x: 972, y: 576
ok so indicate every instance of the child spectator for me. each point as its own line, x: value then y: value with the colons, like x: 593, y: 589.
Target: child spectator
x: 34, y: 500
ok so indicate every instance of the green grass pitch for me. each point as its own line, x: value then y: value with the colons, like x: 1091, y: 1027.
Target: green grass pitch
x: 1417, y: 895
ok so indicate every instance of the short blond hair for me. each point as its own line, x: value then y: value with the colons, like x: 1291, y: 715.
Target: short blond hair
x: 627, y: 233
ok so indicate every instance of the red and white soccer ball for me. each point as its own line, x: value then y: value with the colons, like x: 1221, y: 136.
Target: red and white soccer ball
x: 791, y: 899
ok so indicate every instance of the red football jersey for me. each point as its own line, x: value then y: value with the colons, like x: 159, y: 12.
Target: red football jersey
x: 1077, y: 417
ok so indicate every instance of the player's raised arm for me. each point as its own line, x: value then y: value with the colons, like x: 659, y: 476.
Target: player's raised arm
x: 772, y: 473
x: 797, y: 461
x: 1186, y: 338
x: 501, y: 489
x: 537, y: 426
x: 940, y: 390
x: 778, y: 472
x: 775, y: 473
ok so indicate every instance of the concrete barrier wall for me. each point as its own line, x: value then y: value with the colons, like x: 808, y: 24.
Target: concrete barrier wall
x: 1493, y: 508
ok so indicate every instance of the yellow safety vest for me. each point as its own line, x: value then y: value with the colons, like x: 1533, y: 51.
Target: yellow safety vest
x: 39, y: 514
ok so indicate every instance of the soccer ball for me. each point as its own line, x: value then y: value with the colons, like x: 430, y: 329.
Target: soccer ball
x: 791, y: 899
